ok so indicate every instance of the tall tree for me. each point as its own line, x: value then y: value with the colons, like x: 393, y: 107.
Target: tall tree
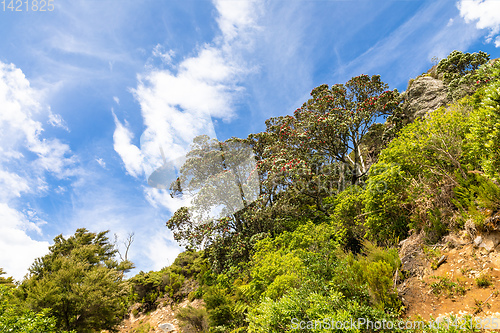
x: 318, y: 149
x: 81, y: 281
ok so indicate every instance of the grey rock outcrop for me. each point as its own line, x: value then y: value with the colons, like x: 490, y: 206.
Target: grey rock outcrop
x: 167, y: 327
x: 425, y: 94
x: 488, y: 241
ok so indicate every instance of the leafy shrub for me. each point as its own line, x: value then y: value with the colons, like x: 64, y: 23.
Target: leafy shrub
x: 16, y: 318
x: 173, y: 283
x: 386, y: 219
x: 147, y: 287
x: 346, y: 209
x: 193, y: 319
x: 483, y: 141
x: 459, y: 71
x: 419, y: 168
x: 476, y: 196
x: 80, y: 282
x: 379, y: 278
x: 196, y: 294
x: 220, y: 307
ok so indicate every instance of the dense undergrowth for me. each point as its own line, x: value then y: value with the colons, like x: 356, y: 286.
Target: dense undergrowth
x: 337, y: 193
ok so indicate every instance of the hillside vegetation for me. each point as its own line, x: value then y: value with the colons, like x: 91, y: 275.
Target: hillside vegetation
x: 339, y: 185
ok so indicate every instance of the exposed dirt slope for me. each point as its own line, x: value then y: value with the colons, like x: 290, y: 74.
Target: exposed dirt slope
x: 467, y: 282
x: 164, y: 314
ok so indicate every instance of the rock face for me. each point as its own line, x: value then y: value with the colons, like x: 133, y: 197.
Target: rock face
x: 488, y: 241
x: 167, y: 327
x: 425, y: 94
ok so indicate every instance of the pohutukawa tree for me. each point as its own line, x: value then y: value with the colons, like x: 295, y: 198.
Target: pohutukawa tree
x: 322, y: 142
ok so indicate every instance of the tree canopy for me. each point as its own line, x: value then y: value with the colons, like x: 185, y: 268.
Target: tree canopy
x: 80, y: 281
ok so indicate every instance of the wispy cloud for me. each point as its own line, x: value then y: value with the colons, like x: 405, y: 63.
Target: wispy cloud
x: 179, y: 104
x: 101, y: 162
x: 130, y: 154
x: 486, y: 14
x: 429, y: 33
x: 57, y: 121
x: 26, y: 157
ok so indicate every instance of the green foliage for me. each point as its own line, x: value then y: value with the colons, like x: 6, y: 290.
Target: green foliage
x: 143, y: 328
x: 197, y: 294
x: 384, y: 198
x: 484, y: 281
x: 460, y: 73
x: 476, y: 197
x: 315, y: 280
x: 483, y: 141
x: 9, y: 281
x: 431, y: 146
x: 146, y: 288
x: 346, y: 209
x: 173, y: 283
x: 80, y: 281
x: 285, y: 314
x: 379, y: 278
x: 16, y: 318
x: 420, y: 167
x: 220, y: 307
x: 192, y: 319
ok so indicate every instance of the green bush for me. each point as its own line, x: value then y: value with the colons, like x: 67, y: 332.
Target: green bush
x: 476, y: 197
x: 484, y: 281
x: 386, y: 219
x: 483, y: 141
x: 459, y: 72
x: 379, y: 278
x: 346, y: 209
x: 192, y: 319
x: 173, y: 283
x: 16, y: 318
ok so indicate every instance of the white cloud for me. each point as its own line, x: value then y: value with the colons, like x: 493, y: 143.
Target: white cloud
x: 21, y: 135
x: 178, y: 105
x: 57, y: 121
x: 17, y: 249
x: 161, y: 251
x: 237, y: 18
x: 102, y: 202
x: 116, y: 99
x: 12, y: 185
x: 101, y: 162
x: 130, y: 154
x: 165, y: 56
x: 486, y: 14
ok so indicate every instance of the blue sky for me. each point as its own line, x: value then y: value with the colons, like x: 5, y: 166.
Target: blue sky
x: 89, y: 91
